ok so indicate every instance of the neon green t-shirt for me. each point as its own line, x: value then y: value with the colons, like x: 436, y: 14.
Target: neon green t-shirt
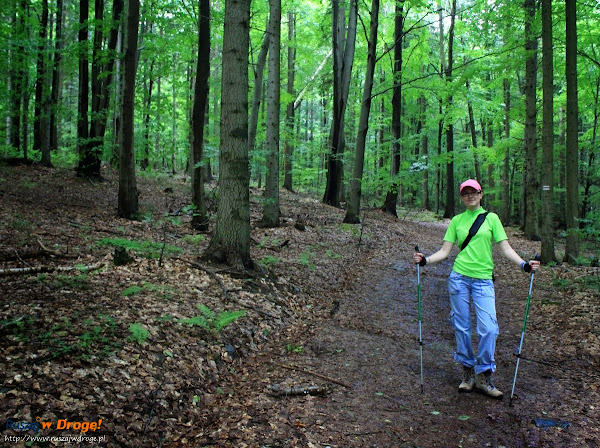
x: 476, y: 259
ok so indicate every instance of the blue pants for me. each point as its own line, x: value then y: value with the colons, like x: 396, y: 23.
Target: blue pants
x: 462, y: 289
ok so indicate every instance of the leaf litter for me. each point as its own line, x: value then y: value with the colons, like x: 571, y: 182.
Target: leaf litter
x: 344, y: 294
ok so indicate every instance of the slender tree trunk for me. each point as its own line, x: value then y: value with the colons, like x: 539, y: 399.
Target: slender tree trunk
x: 547, y: 229
x: 290, y: 109
x: 473, y: 136
x: 424, y: 151
x: 200, y: 220
x: 572, y: 153
x: 41, y: 128
x: 174, y: 117
x: 343, y: 59
x: 56, y: 78
x: 128, y: 194
x: 590, y: 175
x: 257, y: 91
x: 391, y: 198
x: 231, y: 239
x: 530, y: 185
x: 83, y: 104
x: 353, y: 212
x: 148, y: 88
x: 506, y: 205
x: 449, y: 209
x: 270, y: 216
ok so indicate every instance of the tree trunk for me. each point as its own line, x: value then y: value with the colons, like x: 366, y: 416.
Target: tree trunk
x: 128, y: 195
x: 56, y: 78
x: 353, y: 212
x: 391, y: 197
x: 343, y: 58
x: 590, y: 175
x: 571, y: 152
x: 449, y: 209
x: 148, y: 88
x: 41, y: 129
x: 547, y: 229
x: 199, y: 219
x: 82, y: 117
x: 231, y: 239
x: 270, y: 216
x: 257, y: 91
x: 290, y: 109
x: 506, y: 205
x: 530, y: 185
x: 473, y: 135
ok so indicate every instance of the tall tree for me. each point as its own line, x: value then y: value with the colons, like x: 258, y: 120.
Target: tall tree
x: 128, y: 195
x: 257, y: 91
x: 41, y: 129
x: 530, y: 179
x: 547, y: 228
x: 343, y: 59
x: 449, y: 209
x: 83, y: 98
x: 56, y: 78
x: 571, y: 151
x: 199, y: 220
x: 353, y: 212
x: 391, y: 197
x: 291, y: 105
x: 230, y: 242
x: 270, y: 216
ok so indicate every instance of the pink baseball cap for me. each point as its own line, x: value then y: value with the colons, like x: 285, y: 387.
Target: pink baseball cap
x: 470, y: 183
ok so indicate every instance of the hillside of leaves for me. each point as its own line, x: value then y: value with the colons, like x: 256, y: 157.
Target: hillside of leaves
x: 157, y: 343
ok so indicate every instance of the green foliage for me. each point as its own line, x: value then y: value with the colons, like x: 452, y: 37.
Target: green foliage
x: 146, y: 249
x: 268, y: 261
x: 132, y: 290
x: 94, y: 337
x: 20, y: 224
x: 138, y: 333
x: 194, y: 239
x: 294, y: 348
x: 331, y: 254
x: 306, y: 259
x: 211, y: 321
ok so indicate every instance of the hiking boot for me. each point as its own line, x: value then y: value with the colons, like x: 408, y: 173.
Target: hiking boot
x: 483, y: 383
x: 468, y: 380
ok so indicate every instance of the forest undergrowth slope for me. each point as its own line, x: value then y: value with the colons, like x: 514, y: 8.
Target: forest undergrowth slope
x: 316, y: 347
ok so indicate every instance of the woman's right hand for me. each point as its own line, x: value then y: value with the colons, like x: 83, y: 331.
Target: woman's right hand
x: 417, y: 257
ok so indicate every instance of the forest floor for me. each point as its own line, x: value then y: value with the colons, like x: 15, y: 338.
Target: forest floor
x: 326, y: 354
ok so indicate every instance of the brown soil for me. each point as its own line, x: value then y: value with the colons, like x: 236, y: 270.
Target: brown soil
x: 332, y: 312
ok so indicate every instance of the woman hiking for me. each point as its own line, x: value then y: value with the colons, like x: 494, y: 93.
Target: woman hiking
x: 471, y: 279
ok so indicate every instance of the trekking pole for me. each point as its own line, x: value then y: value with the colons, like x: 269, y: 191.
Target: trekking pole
x: 419, y: 316
x: 522, y: 335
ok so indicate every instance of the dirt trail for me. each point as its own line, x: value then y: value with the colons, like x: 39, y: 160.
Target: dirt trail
x: 370, y: 344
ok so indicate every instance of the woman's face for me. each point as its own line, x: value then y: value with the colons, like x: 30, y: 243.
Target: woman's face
x: 471, y: 198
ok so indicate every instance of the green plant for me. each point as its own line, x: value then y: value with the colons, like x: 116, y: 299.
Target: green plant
x: 80, y: 282
x: 132, y: 290
x: 20, y: 224
x: 306, y: 260
x: 293, y: 348
x: 194, y: 239
x: 146, y: 249
x: 138, y: 333
x: 211, y: 321
x: 561, y: 283
x: 268, y: 260
x: 331, y: 254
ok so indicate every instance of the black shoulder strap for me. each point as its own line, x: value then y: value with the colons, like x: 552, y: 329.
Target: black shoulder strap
x: 474, y: 229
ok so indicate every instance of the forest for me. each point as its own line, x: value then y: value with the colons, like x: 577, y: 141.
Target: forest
x: 209, y: 209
